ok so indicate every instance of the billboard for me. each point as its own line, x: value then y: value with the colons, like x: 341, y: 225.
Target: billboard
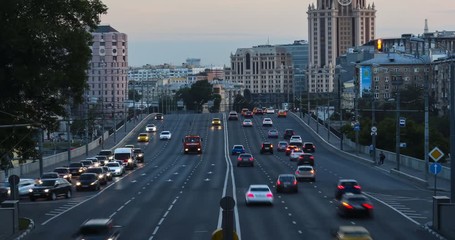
x: 365, y: 79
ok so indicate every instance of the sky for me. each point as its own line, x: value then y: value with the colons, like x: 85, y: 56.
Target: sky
x: 170, y: 31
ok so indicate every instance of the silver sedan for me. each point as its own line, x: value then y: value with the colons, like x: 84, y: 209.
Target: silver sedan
x: 259, y: 193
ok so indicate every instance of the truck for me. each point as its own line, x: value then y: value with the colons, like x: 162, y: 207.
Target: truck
x: 192, y: 144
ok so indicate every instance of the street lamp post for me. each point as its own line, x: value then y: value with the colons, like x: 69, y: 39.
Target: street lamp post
x: 397, y: 81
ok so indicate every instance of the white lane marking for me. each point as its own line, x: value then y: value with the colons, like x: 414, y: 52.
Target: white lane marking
x: 396, y: 210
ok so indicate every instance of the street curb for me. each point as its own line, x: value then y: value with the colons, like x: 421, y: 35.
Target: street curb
x: 432, y: 231
x: 30, y: 227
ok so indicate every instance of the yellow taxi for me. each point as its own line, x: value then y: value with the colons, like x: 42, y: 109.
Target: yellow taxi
x: 143, y: 137
x: 352, y: 233
x: 216, y: 122
x: 282, y: 113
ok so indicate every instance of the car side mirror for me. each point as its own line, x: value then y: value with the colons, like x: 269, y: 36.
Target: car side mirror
x: 56, y: 185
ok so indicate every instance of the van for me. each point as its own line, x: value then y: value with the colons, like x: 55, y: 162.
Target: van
x: 126, y: 155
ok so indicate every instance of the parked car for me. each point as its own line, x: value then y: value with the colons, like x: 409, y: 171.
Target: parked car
x: 50, y: 189
x: 88, y: 181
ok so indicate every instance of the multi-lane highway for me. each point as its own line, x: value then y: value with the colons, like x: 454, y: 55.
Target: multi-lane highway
x: 176, y: 196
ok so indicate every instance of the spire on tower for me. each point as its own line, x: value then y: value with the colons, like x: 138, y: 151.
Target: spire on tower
x: 425, y: 29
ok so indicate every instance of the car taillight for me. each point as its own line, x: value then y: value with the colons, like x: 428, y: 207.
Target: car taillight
x: 340, y: 187
x: 312, y: 158
x: 312, y: 171
x: 297, y: 172
x: 239, y: 159
x: 269, y: 195
x: 251, y: 159
x: 357, y: 187
x: 278, y: 182
x: 250, y: 195
x: 346, y: 205
x: 367, y: 206
x: 295, y: 182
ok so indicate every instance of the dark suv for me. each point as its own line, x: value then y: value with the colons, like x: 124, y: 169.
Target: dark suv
x: 309, y: 147
x: 347, y: 185
x: 288, y: 133
x: 267, y: 147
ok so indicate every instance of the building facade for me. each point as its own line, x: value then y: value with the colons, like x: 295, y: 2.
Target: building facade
x: 266, y: 71
x: 107, y: 75
x: 334, y: 27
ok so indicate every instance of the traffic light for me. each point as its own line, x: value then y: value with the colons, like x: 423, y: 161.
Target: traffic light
x: 379, y: 46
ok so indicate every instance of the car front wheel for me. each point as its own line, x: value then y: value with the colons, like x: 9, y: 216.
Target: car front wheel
x: 53, y: 196
x: 68, y: 194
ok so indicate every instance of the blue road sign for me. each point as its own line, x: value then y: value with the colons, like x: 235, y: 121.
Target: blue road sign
x: 435, y: 168
x: 357, y: 127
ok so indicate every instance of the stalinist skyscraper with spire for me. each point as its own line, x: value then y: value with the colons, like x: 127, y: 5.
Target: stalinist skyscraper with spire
x: 334, y: 26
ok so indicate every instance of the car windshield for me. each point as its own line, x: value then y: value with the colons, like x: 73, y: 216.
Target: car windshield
x: 191, y: 139
x: 87, y: 162
x: 112, y: 164
x: 46, y: 183
x: 150, y: 125
x: 122, y: 156
x: 87, y: 177
x: 349, y: 184
x: 49, y: 175
x: 94, y: 230
x: 143, y: 134
x: 282, y: 144
x: 287, y: 178
x: 165, y: 133
x: 94, y: 170
x: 238, y: 147
x: 259, y: 189
x: 105, y: 153
x: 60, y: 170
x: 76, y: 165
x: 305, y: 169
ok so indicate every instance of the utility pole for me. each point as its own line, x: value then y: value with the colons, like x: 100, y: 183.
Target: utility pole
x: 426, y: 127
x: 397, y: 81
x: 452, y: 128
x: 68, y: 130
x: 356, y: 109
x: 86, y: 127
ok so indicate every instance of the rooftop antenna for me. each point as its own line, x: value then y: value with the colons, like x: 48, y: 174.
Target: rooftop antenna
x: 268, y: 41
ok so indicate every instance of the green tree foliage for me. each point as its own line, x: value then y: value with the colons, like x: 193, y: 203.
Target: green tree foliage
x: 134, y: 95
x: 45, y: 53
x: 194, y: 97
x: 216, y: 102
x: 240, y: 102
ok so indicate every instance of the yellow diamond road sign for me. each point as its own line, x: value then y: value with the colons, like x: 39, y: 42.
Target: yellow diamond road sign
x: 436, y: 154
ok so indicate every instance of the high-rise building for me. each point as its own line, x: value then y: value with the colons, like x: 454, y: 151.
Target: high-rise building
x: 335, y: 26
x: 107, y: 75
x: 266, y: 71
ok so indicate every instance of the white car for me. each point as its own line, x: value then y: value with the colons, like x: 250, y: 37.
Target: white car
x: 267, y: 122
x: 295, y: 139
x: 295, y: 154
x: 259, y: 193
x: 115, y: 168
x: 247, y: 123
x: 270, y: 111
x: 150, y: 128
x: 165, y: 135
x: 23, y: 186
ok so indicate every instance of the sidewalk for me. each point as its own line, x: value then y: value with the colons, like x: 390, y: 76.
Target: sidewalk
x: 390, y: 165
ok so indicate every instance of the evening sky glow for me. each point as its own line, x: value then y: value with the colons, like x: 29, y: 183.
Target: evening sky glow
x: 169, y: 31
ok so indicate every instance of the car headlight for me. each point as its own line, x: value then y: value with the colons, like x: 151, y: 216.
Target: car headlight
x: 97, y: 164
x: 111, y: 158
x: 80, y: 170
x: 30, y: 190
x: 101, y: 176
x: 65, y: 176
x: 130, y: 160
x: 140, y: 155
x: 138, y: 138
x: 93, y: 183
x: 78, y: 183
x: 46, y: 190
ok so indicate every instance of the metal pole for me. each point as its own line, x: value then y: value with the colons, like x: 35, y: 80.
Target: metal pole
x: 134, y: 101
x: 40, y: 147
x: 356, y: 109
x: 68, y: 133
x: 397, y: 132
x: 308, y: 110
x: 126, y: 115
x: 452, y: 129
x: 373, y: 123
x: 328, y: 117
x: 86, y: 130
x: 426, y: 128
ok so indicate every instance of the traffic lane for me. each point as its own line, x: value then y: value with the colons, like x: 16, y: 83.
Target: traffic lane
x: 199, y: 200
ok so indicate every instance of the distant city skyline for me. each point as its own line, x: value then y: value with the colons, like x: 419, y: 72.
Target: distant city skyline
x: 170, y: 31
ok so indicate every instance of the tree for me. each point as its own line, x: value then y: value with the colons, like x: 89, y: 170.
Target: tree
x: 45, y: 56
x: 134, y: 95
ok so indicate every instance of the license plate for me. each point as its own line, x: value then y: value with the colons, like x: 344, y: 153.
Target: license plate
x: 266, y: 148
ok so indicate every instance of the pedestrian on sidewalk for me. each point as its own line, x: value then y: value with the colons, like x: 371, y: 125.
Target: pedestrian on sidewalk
x: 381, y: 158
x: 371, y: 150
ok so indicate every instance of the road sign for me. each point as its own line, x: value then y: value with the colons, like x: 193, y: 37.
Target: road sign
x: 374, y: 129
x: 436, y: 154
x: 403, y: 145
x: 227, y: 203
x: 402, y: 122
x: 435, y: 168
x: 374, y: 133
x: 357, y: 127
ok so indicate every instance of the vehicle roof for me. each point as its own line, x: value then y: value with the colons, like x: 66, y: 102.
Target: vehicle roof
x: 97, y: 221
x: 347, y: 180
x: 165, y: 131
x: 258, y: 185
x: 216, y: 118
x: 122, y: 150
x: 295, y: 136
x: 305, y: 166
x: 286, y: 175
x: 353, y: 229
x: 238, y: 145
